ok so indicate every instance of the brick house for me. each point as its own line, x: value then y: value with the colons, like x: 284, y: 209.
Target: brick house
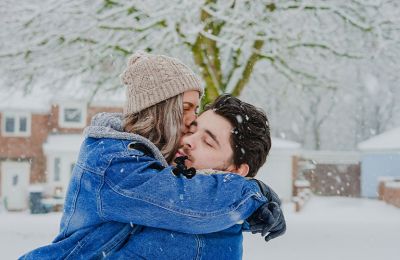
x: 39, y: 141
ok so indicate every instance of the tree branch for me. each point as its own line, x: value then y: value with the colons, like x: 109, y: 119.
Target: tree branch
x: 251, y: 62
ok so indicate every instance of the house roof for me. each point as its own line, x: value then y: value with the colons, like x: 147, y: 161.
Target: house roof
x: 39, y: 99
x: 389, y: 140
x: 63, y: 143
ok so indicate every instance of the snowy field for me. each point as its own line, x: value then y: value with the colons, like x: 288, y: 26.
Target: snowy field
x: 327, y: 228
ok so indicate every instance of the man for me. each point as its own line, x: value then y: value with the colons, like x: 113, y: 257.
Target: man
x: 230, y: 136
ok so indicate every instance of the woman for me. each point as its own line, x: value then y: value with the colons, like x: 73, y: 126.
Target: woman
x: 122, y: 174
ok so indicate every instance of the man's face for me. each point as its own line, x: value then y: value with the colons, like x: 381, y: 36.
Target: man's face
x: 190, y: 106
x: 207, y: 143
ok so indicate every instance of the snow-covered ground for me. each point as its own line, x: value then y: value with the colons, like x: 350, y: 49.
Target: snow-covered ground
x: 327, y: 228
x: 334, y: 228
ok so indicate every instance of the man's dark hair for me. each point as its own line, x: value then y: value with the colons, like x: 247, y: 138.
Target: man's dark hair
x: 250, y: 138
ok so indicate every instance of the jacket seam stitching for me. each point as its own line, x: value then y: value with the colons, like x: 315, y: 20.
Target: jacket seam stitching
x: 117, y: 241
x: 191, y: 213
x: 73, y: 204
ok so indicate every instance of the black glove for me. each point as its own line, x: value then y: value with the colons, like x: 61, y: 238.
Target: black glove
x: 268, y: 219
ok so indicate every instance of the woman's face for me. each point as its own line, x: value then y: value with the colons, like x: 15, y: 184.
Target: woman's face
x: 190, y: 107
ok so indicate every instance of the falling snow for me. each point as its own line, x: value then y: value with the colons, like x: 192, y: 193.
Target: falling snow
x: 239, y: 119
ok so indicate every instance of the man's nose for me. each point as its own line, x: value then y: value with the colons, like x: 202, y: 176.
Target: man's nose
x: 188, y: 141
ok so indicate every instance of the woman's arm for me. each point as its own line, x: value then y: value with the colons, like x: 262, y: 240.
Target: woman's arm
x: 151, y: 195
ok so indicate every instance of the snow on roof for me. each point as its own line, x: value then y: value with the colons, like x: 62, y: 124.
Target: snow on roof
x: 393, y: 184
x: 331, y: 156
x: 40, y: 98
x: 389, y: 140
x: 63, y: 143
x: 75, y: 90
x: 278, y: 143
x: 37, y: 101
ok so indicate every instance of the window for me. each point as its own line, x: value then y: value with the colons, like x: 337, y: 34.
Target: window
x: 16, y: 124
x: 72, y: 116
x: 10, y: 124
x: 22, y: 124
x: 57, y: 169
x: 15, y: 180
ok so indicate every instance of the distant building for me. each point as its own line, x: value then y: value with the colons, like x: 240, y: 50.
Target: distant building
x: 278, y: 170
x: 380, y: 159
x: 40, y: 138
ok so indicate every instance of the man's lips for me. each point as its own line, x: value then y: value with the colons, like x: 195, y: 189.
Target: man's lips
x: 180, y: 153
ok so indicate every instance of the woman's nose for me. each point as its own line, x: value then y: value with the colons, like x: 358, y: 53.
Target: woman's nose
x: 188, y: 118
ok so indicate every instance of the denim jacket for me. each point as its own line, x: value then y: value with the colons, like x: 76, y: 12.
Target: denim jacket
x: 116, y: 190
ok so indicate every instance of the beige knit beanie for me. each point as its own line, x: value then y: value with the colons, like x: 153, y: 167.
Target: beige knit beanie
x: 150, y: 79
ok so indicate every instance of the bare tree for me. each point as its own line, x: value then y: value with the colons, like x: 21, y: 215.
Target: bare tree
x: 56, y: 40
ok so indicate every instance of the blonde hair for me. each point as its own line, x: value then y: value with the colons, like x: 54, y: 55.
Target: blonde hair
x: 160, y: 123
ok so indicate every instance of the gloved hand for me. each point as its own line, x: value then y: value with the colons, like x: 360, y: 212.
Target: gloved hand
x: 268, y: 219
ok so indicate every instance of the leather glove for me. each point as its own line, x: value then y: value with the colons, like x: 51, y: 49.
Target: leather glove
x: 268, y: 219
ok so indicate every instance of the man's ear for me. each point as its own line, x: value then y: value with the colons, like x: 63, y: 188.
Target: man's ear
x: 242, y: 170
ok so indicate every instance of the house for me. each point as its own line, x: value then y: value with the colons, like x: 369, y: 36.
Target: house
x: 380, y: 159
x: 40, y: 135
x: 278, y: 169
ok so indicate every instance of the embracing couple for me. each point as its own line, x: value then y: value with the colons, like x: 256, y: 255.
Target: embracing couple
x: 158, y: 182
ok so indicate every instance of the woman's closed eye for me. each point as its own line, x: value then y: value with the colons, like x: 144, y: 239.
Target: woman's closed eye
x: 192, y: 129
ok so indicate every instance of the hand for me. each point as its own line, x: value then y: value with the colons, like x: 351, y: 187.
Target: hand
x: 268, y: 192
x: 268, y: 219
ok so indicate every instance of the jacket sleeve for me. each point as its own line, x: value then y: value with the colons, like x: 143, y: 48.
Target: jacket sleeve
x: 150, y: 195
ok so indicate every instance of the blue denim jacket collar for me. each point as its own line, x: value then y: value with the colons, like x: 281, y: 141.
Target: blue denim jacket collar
x: 109, y: 125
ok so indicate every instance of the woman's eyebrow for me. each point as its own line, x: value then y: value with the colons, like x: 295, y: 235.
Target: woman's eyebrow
x: 188, y: 103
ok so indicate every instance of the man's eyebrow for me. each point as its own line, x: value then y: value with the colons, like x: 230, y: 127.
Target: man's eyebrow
x: 212, y: 136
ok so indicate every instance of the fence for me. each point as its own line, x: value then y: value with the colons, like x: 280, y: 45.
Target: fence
x: 389, y: 191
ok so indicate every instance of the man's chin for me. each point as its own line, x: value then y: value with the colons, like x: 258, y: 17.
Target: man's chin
x: 188, y: 164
